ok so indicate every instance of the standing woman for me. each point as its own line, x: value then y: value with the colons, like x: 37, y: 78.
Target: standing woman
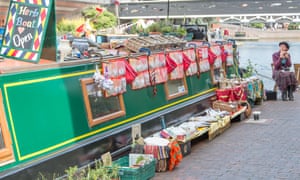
x: 285, y: 80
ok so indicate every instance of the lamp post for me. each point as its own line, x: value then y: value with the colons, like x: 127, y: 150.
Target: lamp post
x: 168, y: 11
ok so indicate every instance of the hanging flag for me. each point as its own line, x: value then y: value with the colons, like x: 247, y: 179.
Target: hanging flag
x: 171, y: 64
x: 80, y: 29
x: 186, y: 62
x: 224, y: 54
x: 100, y: 10
x: 130, y: 73
x: 211, y: 57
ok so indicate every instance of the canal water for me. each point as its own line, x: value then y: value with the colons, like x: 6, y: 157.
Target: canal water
x: 260, y: 54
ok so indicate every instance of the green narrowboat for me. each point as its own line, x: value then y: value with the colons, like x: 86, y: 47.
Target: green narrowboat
x: 52, y: 113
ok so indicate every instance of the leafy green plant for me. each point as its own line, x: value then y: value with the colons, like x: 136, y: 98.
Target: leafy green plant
x: 250, y: 70
x: 72, y: 173
x: 181, y: 31
x: 104, y: 20
x: 42, y: 176
x: 293, y: 26
x: 167, y: 29
x: 257, y: 25
x: 155, y: 27
x: 99, y: 172
x: 68, y: 25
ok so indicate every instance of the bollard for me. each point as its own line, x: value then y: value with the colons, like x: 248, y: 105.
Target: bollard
x: 256, y: 115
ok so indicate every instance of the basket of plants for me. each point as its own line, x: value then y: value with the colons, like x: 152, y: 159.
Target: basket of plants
x: 136, y: 167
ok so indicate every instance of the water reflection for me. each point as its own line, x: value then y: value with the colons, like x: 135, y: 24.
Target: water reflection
x: 260, y: 53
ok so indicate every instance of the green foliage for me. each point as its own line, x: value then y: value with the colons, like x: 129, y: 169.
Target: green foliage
x: 167, y: 29
x: 89, y: 12
x: 68, y: 25
x: 293, y: 26
x: 44, y: 177
x: 96, y: 173
x: 181, y: 31
x: 104, y: 20
x: 73, y: 173
x: 257, y: 25
x: 155, y: 27
x: 250, y: 70
x: 135, y: 29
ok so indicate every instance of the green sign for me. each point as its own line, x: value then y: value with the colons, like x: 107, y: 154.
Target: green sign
x: 25, y: 31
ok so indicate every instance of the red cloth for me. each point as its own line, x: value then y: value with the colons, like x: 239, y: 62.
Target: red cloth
x: 100, y: 10
x: 211, y: 57
x: 232, y: 94
x: 223, y: 94
x: 238, y: 94
x: 171, y: 64
x: 186, y: 62
x: 130, y: 72
x: 226, y: 32
x: 149, y: 149
x: 224, y: 54
x: 80, y: 28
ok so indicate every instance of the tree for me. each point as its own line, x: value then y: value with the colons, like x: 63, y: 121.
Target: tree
x: 99, y: 20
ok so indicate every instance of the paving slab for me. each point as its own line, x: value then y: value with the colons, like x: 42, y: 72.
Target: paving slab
x: 269, y: 149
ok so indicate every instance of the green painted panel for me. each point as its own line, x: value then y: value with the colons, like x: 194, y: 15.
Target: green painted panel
x: 139, y: 101
x: 197, y: 85
x: 47, y: 112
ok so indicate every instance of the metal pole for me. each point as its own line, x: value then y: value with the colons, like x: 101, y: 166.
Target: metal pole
x: 117, y: 14
x: 168, y: 11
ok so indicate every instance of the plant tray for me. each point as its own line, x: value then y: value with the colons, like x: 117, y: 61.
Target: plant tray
x: 140, y: 173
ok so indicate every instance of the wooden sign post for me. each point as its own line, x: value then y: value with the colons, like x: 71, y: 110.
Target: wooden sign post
x: 26, y: 27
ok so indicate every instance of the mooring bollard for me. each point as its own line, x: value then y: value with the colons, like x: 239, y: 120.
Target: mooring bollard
x: 256, y: 115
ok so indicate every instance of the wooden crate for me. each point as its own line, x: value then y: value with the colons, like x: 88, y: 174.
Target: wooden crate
x: 213, y: 130
x: 225, y: 106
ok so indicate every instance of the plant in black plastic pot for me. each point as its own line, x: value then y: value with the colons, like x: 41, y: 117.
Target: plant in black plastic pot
x: 166, y: 30
x: 155, y: 28
x: 181, y: 32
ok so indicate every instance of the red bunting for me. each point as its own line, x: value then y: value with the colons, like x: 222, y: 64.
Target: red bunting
x: 186, y: 62
x: 224, y: 54
x: 100, y: 10
x: 130, y: 73
x: 171, y: 64
x: 80, y: 28
x: 211, y: 57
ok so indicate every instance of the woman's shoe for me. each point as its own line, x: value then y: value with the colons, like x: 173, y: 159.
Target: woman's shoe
x: 284, y: 96
x: 291, y: 97
x: 290, y: 94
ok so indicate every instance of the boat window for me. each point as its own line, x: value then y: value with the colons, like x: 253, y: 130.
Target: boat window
x: 5, y: 141
x: 176, y: 88
x: 98, y: 107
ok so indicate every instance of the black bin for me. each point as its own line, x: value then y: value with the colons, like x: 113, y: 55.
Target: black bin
x: 271, y: 95
x: 185, y: 148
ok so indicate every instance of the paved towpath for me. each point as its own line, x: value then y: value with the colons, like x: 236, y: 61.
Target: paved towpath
x: 267, y: 150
